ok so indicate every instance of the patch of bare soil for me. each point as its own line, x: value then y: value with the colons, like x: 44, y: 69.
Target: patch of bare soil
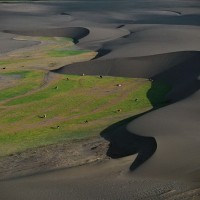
x: 8, y: 81
x: 55, y: 156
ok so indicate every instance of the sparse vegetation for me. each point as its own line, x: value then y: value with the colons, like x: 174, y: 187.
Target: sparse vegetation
x: 63, y: 53
x: 25, y: 82
x: 77, y: 99
x: 51, y: 53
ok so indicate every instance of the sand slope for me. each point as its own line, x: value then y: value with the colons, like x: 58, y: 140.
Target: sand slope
x: 148, y: 39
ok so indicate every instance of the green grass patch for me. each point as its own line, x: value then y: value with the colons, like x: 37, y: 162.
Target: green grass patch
x: 68, y: 102
x: 9, y: 61
x: 63, y: 53
x: 28, y: 81
x: 50, y: 92
x: 56, y: 39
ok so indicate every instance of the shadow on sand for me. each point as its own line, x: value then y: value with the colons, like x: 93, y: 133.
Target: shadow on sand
x: 124, y: 143
x: 181, y: 74
x: 101, y: 52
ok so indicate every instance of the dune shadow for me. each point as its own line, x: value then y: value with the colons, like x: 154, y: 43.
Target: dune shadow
x: 101, y: 52
x: 179, y: 69
x: 123, y: 143
x: 121, y: 26
x: 72, y: 32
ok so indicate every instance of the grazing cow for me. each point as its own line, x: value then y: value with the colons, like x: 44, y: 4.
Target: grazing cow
x: 42, y: 116
x: 136, y: 100
x: 58, y: 127
x: 101, y: 76
x: 119, y: 85
x: 86, y: 121
x: 119, y: 110
x: 83, y: 74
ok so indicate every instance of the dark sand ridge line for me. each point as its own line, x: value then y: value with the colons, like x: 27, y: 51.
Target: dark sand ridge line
x: 87, y: 17
x: 138, y: 17
x: 72, y: 8
x: 146, y: 146
x: 100, y: 35
x: 175, y: 127
x: 71, y: 32
x: 172, y: 11
x: 122, y: 142
x: 170, y: 145
x: 130, y: 41
x: 155, y: 12
x: 164, y: 14
x: 177, y: 155
x: 148, y: 17
x: 145, y: 66
x: 164, y: 67
x: 136, y: 40
x: 90, y: 37
x: 144, y: 40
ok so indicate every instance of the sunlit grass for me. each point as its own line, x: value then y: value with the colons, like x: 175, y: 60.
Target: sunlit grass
x: 25, y: 82
x: 68, y: 102
x: 63, y: 53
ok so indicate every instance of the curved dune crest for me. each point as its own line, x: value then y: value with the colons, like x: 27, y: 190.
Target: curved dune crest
x: 146, y: 66
x: 101, y: 35
x: 124, y: 143
x: 72, y: 32
x: 180, y: 70
x: 156, y: 39
x: 145, y: 40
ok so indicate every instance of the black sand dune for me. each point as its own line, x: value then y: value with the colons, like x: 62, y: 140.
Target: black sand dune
x: 123, y: 143
x: 181, y: 74
x: 100, y: 35
x: 145, y: 40
x: 158, y: 39
x: 145, y: 67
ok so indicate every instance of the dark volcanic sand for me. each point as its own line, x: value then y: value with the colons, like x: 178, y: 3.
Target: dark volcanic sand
x: 147, y: 39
